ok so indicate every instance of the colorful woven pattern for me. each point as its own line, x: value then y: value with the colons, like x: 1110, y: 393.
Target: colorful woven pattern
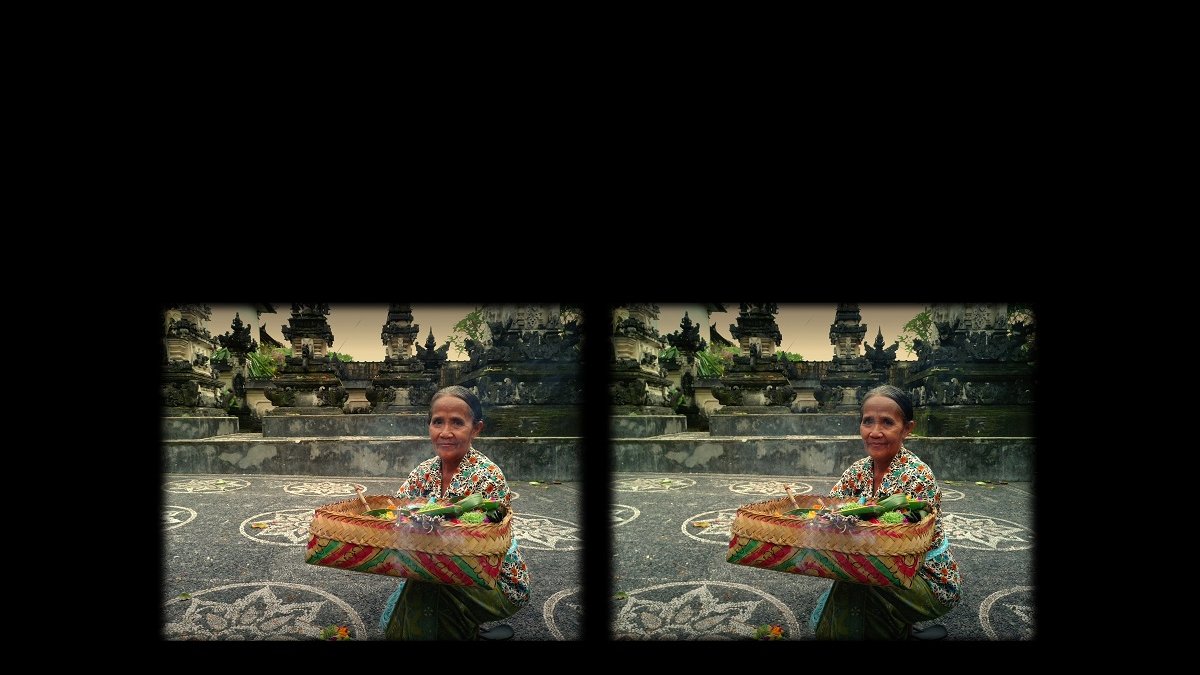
x: 461, y: 554
x: 888, y: 570
x: 864, y: 553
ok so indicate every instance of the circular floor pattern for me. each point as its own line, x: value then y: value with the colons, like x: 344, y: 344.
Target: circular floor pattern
x: 177, y: 516
x: 717, y: 531
x: 622, y: 514
x: 700, y: 610
x: 656, y: 484
x: 195, y: 485
x: 539, y: 532
x: 324, y: 488
x: 767, y: 488
x: 284, y: 527
x: 951, y: 495
x: 1009, y: 614
x: 985, y: 533
x: 258, y: 611
x: 569, y: 612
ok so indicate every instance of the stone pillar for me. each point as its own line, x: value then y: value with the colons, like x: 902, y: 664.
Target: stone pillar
x: 851, y: 374
x: 190, y: 384
x: 756, y: 381
x: 308, y: 383
x: 406, y: 381
x: 639, y: 383
x: 235, y: 371
x: 683, y: 371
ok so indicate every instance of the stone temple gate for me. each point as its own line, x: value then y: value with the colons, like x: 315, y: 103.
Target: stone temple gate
x: 974, y: 384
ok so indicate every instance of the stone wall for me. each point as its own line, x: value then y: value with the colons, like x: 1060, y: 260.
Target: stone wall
x: 522, y: 459
x: 952, y: 458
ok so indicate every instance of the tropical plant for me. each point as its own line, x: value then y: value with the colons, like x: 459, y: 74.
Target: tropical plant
x: 470, y: 326
x: 794, y: 358
x: 344, y: 358
x: 265, y: 362
x: 920, y: 327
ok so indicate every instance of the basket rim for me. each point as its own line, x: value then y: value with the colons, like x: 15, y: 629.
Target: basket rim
x: 343, y: 521
x: 776, y: 528
x: 331, y: 510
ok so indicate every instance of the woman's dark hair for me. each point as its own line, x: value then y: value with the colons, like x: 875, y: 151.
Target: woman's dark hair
x: 898, y: 395
x: 467, y: 397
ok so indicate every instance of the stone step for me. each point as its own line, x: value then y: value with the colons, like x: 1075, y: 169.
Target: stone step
x: 198, y: 427
x: 642, y: 426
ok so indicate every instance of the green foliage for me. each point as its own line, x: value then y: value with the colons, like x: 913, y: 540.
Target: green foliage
x: 713, y: 360
x: 470, y: 326
x: 265, y: 363
x: 794, y: 358
x: 261, y: 365
x: 344, y: 358
x: 708, y: 363
x: 674, y: 398
x: 220, y: 355
x: 918, y: 327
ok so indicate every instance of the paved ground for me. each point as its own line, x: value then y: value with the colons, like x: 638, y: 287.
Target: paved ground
x: 671, y: 580
x: 248, y: 583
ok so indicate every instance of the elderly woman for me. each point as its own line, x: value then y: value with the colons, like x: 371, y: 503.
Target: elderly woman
x: 431, y: 611
x: 851, y: 611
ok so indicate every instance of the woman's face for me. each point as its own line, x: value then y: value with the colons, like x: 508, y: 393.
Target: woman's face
x: 451, y: 428
x: 883, y: 428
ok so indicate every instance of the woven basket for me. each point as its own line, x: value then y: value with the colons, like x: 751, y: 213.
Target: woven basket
x: 460, y: 554
x: 865, y: 553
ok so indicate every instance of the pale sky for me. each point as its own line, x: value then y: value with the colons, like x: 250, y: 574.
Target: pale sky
x: 356, y: 327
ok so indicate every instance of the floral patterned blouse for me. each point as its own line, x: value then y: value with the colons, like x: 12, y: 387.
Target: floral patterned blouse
x: 907, y: 474
x: 476, y: 475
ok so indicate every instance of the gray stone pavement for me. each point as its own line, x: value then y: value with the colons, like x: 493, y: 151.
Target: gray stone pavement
x: 224, y: 579
x: 671, y: 580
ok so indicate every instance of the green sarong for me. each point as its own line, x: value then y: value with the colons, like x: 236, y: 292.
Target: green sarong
x: 429, y: 611
x: 862, y: 612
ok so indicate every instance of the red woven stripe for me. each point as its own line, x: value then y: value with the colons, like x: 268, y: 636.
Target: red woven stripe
x: 780, y: 555
x: 431, y: 564
x: 846, y: 562
x: 353, y: 559
x: 759, y: 549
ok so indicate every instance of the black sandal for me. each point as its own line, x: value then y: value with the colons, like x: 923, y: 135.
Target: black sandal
x: 934, y: 632
x: 498, y: 632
